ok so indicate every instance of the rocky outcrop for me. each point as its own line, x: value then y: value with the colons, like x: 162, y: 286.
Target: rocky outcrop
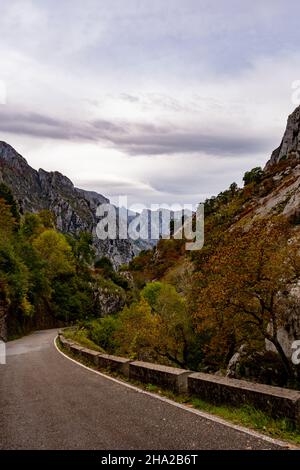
x: 279, y: 190
x: 278, y: 193
x: 74, y: 209
x: 289, y: 328
x: 290, y: 143
x: 257, y: 366
x: 109, y: 298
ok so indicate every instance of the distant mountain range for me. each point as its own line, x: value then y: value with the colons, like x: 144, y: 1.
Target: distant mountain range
x: 74, y: 209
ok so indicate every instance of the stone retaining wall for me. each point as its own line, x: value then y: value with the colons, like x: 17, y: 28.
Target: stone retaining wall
x: 276, y: 401
x: 170, y: 378
x: 115, y: 363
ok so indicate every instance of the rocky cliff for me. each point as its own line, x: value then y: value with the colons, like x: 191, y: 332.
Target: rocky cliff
x: 278, y: 193
x: 74, y: 209
x: 290, y: 144
x: 279, y: 190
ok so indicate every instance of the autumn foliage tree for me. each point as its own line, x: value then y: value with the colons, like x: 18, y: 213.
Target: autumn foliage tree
x: 46, y: 277
x: 157, y: 327
x: 174, y: 328
x: 54, y: 250
x: 138, y: 331
x: 241, y: 290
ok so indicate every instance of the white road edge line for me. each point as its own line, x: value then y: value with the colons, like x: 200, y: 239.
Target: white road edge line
x: 202, y: 414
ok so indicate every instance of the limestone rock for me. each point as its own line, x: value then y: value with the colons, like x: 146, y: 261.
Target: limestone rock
x: 234, y: 363
x: 290, y: 142
x: 108, y: 299
x: 74, y: 209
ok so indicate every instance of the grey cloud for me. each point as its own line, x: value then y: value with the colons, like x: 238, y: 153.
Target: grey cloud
x: 106, y: 127
x: 41, y: 125
x: 129, y: 98
x: 134, y: 138
x: 202, y: 181
x: 176, y: 141
x: 37, y: 125
x: 115, y: 187
x: 134, y: 190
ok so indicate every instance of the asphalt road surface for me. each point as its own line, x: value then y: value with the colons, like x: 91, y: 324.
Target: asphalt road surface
x: 50, y: 402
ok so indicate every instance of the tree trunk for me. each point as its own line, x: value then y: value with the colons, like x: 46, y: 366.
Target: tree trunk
x: 285, y: 360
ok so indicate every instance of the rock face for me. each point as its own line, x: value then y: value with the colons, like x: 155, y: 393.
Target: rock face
x: 74, y: 209
x: 256, y: 366
x: 109, y: 300
x: 280, y: 187
x: 279, y: 194
x: 290, y: 143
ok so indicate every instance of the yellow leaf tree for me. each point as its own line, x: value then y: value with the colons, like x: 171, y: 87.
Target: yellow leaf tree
x: 240, y: 290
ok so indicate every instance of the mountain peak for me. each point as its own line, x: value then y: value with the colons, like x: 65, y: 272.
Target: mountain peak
x: 74, y: 209
x: 55, y: 178
x: 290, y: 144
x: 9, y: 154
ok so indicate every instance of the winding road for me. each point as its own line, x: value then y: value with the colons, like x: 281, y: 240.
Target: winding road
x: 49, y: 402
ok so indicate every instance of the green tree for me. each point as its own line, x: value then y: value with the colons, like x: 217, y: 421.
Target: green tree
x: 151, y: 293
x: 158, y: 327
x: 54, y: 249
x: 71, y: 298
x: 14, y: 275
x: 253, y: 176
x: 7, y: 221
x: 83, y: 250
x: 138, y: 331
x: 7, y: 195
x: 233, y: 188
x: 47, y: 218
x: 103, y: 332
x: 31, y: 226
x: 174, y: 326
x: 105, y: 265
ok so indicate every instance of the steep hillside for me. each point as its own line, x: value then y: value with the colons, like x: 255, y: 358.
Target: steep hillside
x: 74, y: 209
x: 243, y: 288
x: 269, y: 192
x: 290, y: 144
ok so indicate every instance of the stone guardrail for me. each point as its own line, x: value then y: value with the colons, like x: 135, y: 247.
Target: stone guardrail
x: 170, y: 378
x: 276, y: 401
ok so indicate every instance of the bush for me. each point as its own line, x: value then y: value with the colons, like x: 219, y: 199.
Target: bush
x: 105, y: 264
x: 102, y: 332
x: 253, y: 176
x: 151, y: 293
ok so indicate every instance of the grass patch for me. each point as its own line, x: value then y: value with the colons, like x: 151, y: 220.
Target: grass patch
x: 246, y: 416
x: 80, y: 337
x: 250, y: 417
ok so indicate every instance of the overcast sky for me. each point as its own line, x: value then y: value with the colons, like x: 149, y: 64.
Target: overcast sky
x: 162, y: 100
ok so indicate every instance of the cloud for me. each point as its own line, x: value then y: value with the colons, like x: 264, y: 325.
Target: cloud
x: 168, y: 141
x: 41, y: 125
x: 115, y: 186
x: 133, y: 138
x: 197, y: 92
x: 38, y: 125
x: 130, y: 98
